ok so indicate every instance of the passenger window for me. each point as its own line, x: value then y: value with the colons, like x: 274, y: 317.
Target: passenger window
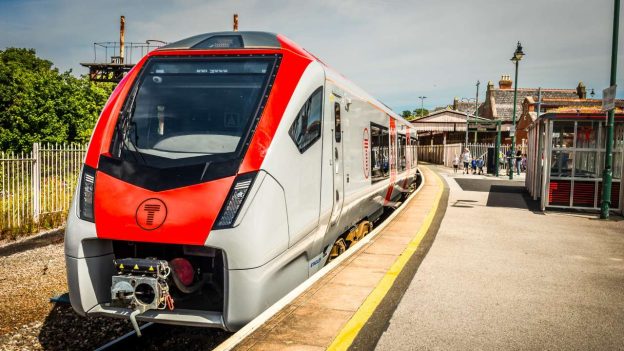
x: 402, y: 152
x: 337, y: 120
x: 380, y: 157
x: 306, y: 129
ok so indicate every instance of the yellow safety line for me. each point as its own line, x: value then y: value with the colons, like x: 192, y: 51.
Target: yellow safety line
x: 349, y: 332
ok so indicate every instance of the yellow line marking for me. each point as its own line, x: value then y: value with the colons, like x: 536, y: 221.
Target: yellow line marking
x: 350, y: 330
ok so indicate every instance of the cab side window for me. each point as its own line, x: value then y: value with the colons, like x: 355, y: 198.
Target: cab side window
x: 306, y: 129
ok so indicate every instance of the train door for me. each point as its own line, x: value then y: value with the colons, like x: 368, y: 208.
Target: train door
x: 338, y: 162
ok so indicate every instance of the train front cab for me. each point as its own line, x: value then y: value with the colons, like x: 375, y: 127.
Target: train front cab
x: 174, y: 171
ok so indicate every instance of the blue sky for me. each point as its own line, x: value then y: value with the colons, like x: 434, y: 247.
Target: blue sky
x: 396, y: 50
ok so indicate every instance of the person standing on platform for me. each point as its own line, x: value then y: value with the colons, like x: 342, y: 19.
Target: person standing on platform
x: 509, y: 161
x: 474, y: 166
x: 480, y: 165
x: 524, y: 162
x: 455, y: 163
x: 466, y: 157
x: 501, y: 160
x: 518, y: 161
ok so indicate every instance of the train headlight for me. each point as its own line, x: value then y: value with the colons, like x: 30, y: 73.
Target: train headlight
x: 87, y: 190
x: 235, y: 200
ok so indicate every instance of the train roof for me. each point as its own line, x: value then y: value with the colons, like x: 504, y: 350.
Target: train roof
x: 267, y: 40
x: 227, y: 40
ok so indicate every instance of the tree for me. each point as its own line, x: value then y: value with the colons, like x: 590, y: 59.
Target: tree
x: 39, y: 104
x: 407, y: 114
x: 420, y: 112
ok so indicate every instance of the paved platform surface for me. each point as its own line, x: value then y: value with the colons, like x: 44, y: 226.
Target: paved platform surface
x: 501, y: 276
x: 332, y: 312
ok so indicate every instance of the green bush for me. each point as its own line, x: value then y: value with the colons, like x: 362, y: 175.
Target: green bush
x: 40, y: 104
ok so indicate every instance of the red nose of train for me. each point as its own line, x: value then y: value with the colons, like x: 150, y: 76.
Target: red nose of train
x: 179, y: 143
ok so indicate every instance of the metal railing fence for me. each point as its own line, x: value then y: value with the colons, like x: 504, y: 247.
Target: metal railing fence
x: 444, y: 154
x: 36, y: 188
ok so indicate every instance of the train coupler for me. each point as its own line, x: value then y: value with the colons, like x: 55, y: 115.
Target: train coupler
x: 141, y: 285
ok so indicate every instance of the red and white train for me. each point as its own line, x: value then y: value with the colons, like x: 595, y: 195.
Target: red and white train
x: 224, y: 170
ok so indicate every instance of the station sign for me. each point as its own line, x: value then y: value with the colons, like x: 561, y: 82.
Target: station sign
x: 608, y: 98
x: 482, y: 129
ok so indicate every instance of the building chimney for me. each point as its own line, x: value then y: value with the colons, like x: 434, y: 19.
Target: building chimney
x: 505, y: 82
x: 235, y: 25
x: 122, y: 38
x: 455, y: 103
x: 581, y: 91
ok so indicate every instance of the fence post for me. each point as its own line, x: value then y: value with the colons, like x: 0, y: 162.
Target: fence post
x: 36, y: 176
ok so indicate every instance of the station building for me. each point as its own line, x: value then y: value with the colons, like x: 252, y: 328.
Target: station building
x: 448, y: 125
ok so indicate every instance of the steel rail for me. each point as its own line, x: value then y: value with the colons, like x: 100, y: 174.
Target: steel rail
x: 116, y: 343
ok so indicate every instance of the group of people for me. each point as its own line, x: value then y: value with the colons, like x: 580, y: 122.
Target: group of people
x: 470, y: 163
x: 476, y: 164
x: 519, y: 161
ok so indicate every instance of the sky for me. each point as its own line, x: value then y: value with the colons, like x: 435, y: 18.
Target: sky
x: 395, y: 50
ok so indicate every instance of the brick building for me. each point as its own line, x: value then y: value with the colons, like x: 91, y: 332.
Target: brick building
x: 498, y: 102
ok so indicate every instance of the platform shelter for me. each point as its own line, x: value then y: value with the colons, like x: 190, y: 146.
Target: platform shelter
x: 565, y: 160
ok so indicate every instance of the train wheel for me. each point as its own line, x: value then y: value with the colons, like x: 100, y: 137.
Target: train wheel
x: 365, y: 228
x: 354, y: 236
x: 339, y: 247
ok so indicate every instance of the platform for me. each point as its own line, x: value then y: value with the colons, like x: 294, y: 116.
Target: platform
x: 503, y: 275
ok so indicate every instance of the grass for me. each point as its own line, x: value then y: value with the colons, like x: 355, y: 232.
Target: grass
x: 16, y: 210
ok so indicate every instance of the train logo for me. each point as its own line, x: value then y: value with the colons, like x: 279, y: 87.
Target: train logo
x: 366, y: 155
x: 151, y: 214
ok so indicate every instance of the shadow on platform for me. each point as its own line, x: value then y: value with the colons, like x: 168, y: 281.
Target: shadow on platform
x: 511, y: 196
x: 501, y: 193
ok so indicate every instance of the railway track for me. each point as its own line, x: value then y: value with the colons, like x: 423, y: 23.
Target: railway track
x: 125, y: 340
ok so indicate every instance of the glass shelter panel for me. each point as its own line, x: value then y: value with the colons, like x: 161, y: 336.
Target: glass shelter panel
x: 561, y: 163
x: 563, y: 134
x: 587, y: 135
x: 585, y: 166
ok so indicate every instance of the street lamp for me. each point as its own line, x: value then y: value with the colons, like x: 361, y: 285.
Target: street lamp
x: 517, y: 56
x: 422, y: 103
x: 476, y: 114
x: 467, y: 112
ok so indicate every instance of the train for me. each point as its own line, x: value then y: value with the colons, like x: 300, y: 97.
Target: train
x: 224, y: 170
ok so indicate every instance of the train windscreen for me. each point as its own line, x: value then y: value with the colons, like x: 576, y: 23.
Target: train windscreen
x: 188, y: 111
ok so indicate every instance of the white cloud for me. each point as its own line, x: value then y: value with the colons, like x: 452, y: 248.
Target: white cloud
x: 396, y: 50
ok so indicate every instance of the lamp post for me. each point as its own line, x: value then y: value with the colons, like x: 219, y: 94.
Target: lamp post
x: 476, y: 114
x: 467, y: 120
x: 422, y: 104
x: 466, y: 141
x: 517, y: 56
x: 607, y: 174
